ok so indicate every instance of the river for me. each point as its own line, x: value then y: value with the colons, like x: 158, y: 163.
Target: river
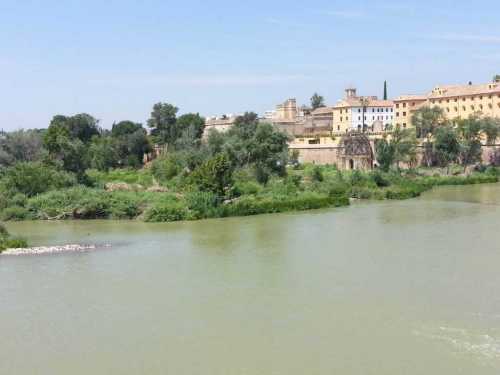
x: 393, y: 287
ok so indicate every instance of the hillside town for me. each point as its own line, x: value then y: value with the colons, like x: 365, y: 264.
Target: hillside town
x: 318, y: 135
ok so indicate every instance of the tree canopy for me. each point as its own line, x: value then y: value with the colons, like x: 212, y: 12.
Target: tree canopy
x: 317, y: 101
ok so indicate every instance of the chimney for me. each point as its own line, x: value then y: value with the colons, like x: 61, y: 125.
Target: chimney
x: 350, y: 93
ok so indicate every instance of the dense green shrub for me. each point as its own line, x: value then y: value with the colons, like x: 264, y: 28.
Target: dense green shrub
x: 215, y: 175
x: 167, y: 167
x: 167, y: 211
x: 379, y: 179
x: 32, y: 178
x: 14, y: 213
x: 202, y: 204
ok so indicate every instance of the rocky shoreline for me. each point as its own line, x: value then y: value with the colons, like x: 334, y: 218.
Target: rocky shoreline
x: 72, y: 248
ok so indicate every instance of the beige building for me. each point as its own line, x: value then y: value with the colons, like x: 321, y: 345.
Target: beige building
x: 220, y: 123
x: 405, y: 106
x: 456, y: 101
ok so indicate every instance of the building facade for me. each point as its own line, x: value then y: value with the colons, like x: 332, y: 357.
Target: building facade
x: 456, y: 101
x: 219, y: 123
x: 362, y: 113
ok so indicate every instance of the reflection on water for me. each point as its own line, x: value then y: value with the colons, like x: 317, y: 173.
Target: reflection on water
x: 407, y: 287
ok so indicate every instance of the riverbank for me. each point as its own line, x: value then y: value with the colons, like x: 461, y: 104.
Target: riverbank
x: 303, y: 188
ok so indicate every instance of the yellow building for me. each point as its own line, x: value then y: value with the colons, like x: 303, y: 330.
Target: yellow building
x: 456, y: 101
x: 405, y: 106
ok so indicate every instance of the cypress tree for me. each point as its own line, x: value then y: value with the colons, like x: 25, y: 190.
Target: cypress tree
x: 385, y: 90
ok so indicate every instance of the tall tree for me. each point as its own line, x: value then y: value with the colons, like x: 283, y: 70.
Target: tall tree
x: 469, y: 135
x: 192, y: 124
x: 426, y: 120
x: 163, y: 123
x: 446, y: 146
x: 131, y: 142
x: 491, y: 128
x: 385, y: 90
x: 20, y: 145
x: 398, y: 147
x: 67, y: 140
x: 384, y: 153
x: 496, y: 78
x: 125, y: 128
x: 404, y: 142
x: 317, y: 101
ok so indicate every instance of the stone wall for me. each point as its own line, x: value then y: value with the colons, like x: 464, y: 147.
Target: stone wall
x: 325, y: 154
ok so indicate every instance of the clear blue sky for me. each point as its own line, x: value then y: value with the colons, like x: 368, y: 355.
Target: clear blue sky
x: 115, y: 59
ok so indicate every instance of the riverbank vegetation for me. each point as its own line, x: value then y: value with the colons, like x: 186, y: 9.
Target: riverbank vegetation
x: 9, y: 242
x: 76, y: 170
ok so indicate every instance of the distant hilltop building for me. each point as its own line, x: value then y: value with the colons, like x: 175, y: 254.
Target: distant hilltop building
x: 220, y: 123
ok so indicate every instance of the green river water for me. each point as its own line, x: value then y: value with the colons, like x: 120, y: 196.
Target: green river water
x: 393, y: 287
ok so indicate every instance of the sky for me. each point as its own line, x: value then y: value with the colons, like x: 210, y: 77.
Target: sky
x: 114, y: 59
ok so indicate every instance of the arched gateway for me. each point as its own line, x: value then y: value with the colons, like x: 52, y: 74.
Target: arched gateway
x: 355, y: 152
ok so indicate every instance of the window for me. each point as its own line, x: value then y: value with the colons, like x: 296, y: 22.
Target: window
x: 472, y: 107
x: 463, y: 107
x: 359, y: 118
x: 404, y: 105
x: 338, y: 127
x: 347, y: 118
x: 456, y: 100
x: 397, y: 114
x: 341, y: 118
x: 404, y: 125
x: 404, y: 113
x: 456, y: 109
x: 397, y: 105
x: 359, y: 110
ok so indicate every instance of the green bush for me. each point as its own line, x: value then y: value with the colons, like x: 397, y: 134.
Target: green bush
x: 32, y: 178
x: 166, y: 168
x: 167, y: 211
x: 15, y: 213
x: 215, y: 175
x: 379, y: 179
x: 202, y: 204
x: 250, y: 205
x: 8, y: 242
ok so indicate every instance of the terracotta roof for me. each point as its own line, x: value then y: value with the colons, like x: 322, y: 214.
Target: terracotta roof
x: 356, y: 102
x: 410, y: 97
x: 464, y: 90
x: 322, y: 110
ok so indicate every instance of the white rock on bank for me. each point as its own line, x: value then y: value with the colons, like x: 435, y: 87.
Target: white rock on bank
x: 50, y: 249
